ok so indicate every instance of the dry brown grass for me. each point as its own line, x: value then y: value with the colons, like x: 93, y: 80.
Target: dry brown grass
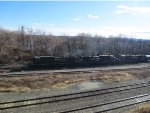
x: 28, y: 83
x: 141, y: 109
x: 46, y: 81
x: 113, y: 76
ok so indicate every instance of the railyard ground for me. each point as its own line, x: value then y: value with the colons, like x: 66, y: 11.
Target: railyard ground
x: 35, y: 85
x: 64, y: 80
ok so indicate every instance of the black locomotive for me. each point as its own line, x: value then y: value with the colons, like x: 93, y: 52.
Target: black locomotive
x: 70, y: 62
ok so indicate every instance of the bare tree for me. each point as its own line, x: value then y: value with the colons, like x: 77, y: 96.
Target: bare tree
x: 26, y: 42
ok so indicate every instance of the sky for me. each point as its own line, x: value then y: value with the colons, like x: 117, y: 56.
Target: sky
x: 131, y: 18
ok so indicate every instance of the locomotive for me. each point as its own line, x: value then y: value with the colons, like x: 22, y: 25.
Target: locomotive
x: 84, y: 61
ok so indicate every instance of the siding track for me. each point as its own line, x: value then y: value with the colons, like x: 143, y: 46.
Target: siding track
x: 113, y: 105
x: 75, y: 70
x: 67, y: 97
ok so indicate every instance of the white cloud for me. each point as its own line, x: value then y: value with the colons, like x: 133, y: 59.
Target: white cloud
x: 141, y: 35
x: 104, y: 31
x: 72, y: 31
x: 93, y: 16
x: 76, y: 19
x: 131, y: 32
x: 133, y: 10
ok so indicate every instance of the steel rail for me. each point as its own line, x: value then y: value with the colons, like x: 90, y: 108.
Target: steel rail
x: 65, y: 97
x: 112, y: 102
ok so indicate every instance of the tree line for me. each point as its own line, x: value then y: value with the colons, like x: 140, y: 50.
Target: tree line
x: 24, y: 43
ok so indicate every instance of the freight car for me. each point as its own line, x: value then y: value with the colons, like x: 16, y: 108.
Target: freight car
x: 130, y: 59
x: 82, y: 61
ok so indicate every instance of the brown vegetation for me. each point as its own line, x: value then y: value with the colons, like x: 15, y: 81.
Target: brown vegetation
x: 46, y: 81
x: 141, y: 109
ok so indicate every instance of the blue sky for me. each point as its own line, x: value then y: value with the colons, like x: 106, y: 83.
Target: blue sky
x: 106, y: 18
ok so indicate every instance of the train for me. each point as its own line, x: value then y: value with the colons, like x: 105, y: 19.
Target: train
x: 84, y: 61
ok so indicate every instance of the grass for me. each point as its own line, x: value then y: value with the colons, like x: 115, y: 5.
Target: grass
x: 46, y: 81
x: 113, y: 76
x: 141, y: 109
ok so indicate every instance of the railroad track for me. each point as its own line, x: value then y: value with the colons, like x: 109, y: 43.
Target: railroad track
x: 64, y: 71
x: 67, y: 97
x: 22, y: 74
x: 112, y: 105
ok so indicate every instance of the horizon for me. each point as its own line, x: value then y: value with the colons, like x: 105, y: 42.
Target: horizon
x: 105, y: 18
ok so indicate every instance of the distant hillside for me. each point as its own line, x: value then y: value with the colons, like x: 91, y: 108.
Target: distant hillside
x: 21, y: 45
